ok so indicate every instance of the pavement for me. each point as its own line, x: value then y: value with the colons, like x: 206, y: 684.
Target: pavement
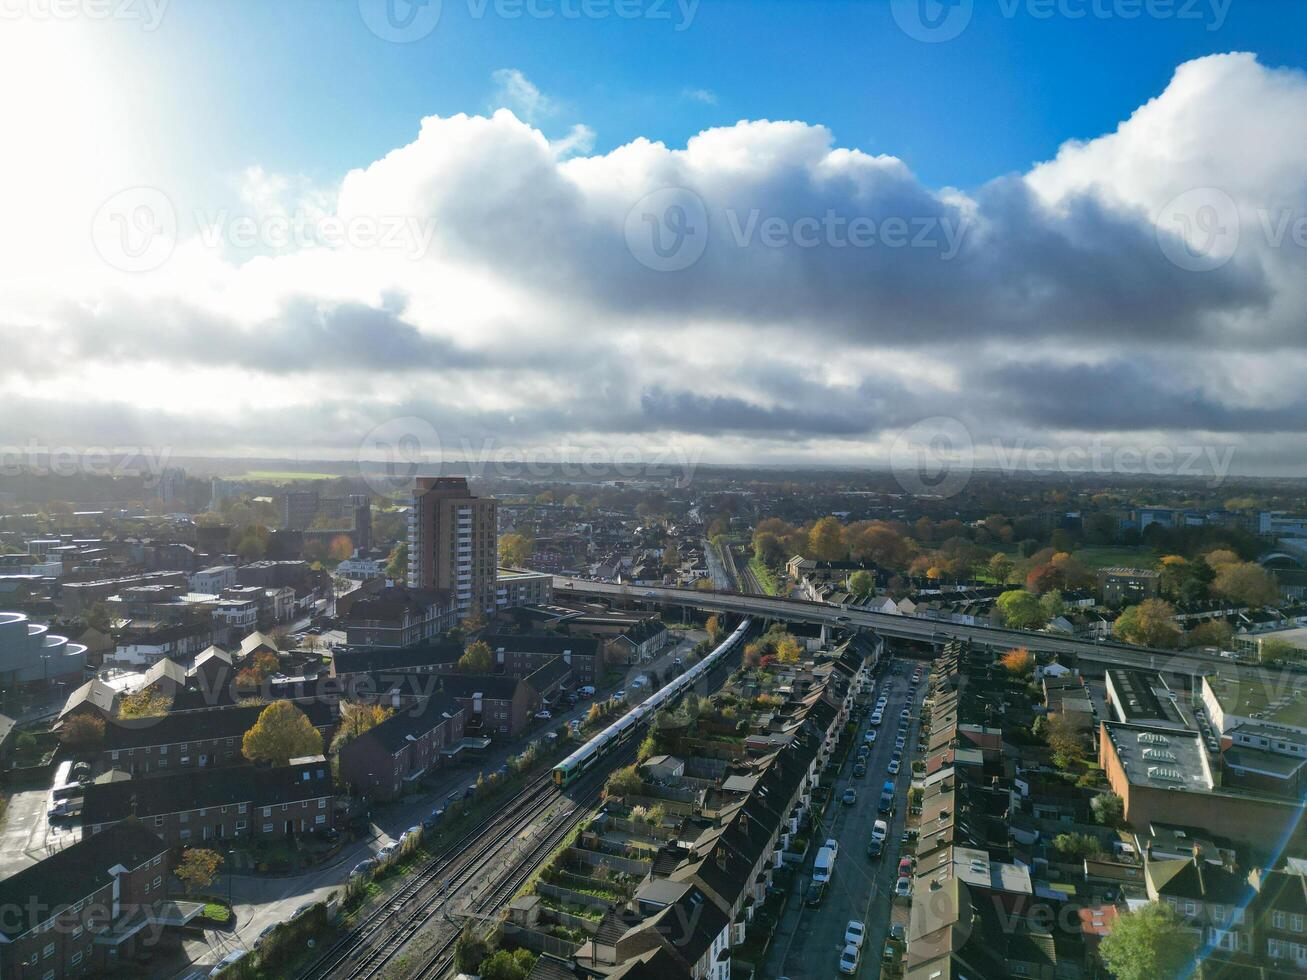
x: 261, y: 901
x: 26, y: 835
x: 808, y: 941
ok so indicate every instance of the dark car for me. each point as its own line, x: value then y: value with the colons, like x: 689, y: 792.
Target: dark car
x: 859, y: 770
x: 816, y: 892
x: 875, y: 849
x: 433, y: 818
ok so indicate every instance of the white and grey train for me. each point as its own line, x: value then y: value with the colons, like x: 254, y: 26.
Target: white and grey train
x: 581, y: 760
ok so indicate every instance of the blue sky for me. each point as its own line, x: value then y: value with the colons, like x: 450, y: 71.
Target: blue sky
x: 303, y: 86
x: 1107, y: 212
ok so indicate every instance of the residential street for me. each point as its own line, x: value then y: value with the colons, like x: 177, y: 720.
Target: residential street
x: 808, y: 941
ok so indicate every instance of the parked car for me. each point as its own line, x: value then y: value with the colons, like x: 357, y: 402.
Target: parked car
x: 363, y: 867
x: 859, y: 771
x: 903, y: 887
x: 893, y: 767
x: 850, y: 797
x: 905, y: 867
x: 544, y: 714
x: 816, y: 892
x: 875, y: 848
x: 869, y: 738
x: 388, y: 852
x: 849, y: 959
x: 879, y: 830
x: 855, y: 933
x: 834, y: 846
x: 433, y: 818
x: 234, y: 956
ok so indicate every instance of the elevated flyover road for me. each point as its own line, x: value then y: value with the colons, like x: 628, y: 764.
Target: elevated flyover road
x: 934, y: 631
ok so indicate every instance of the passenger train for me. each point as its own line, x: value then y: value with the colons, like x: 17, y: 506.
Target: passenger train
x: 581, y: 760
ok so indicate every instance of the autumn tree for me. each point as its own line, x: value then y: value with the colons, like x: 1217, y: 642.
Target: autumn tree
x: 999, y: 566
x: 281, y: 733
x: 473, y: 622
x: 144, y: 704
x: 82, y: 731
x: 1246, y: 583
x: 476, y: 659
x: 826, y: 540
x: 713, y: 627
x: 787, y: 650
x: 1021, y: 610
x: 261, y: 666
x: 197, y: 868
x: 397, y: 563
x: 1019, y: 661
x: 515, y: 549
x: 1064, y: 737
x: 357, y: 717
x: 1152, y: 943
x: 1149, y: 624
x: 1218, y: 558
x: 341, y: 547
x: 1213, y: 633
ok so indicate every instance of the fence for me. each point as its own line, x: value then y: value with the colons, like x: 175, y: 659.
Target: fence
x: 539, y: 942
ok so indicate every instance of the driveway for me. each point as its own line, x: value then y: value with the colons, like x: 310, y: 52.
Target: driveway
x: 26, y: 835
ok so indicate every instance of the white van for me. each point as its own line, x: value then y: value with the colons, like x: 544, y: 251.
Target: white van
x: 587, y: 691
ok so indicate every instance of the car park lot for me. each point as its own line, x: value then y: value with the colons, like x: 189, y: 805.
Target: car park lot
x: 810, y: 941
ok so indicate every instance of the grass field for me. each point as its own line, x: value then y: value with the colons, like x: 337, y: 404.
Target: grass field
x: 1126, y: 557
x: 285, y: 476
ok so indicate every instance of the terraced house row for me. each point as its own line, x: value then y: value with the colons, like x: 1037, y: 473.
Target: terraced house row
x: 699, y: 832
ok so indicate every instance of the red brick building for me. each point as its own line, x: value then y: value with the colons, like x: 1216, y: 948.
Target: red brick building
x: 219, y: 804
x: 90, y: 908
x: 386, y: 760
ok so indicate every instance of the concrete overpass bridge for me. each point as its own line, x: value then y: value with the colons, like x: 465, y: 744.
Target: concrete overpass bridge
x: 933, y: 631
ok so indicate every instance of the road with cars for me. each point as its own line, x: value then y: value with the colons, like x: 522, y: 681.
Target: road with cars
x: 810, y: 940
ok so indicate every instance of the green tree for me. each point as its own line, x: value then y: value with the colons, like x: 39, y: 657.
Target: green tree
x: 1153, y: 943
x: 862, y: 583
x: 624, y: 782
x: 469, y: 951
x: 1149, y: 624
x: 1021, y: 610
x: 504, y: 965
x: 281, y: 733
x: 1053, y: 604
x: 197, y: 868
x: 826, y: 540
x: 1075, y: 846
x: 477, y: 659
x: 1273, y: 651
x: 1109, y: 809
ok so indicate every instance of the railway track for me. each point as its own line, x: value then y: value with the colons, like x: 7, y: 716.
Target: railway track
x: 383, y: 934
x: 441, y: 961
x: 383, y: 931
